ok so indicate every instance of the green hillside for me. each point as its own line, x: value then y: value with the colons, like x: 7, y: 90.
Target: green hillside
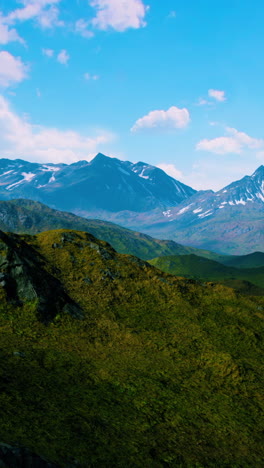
x: 127, y: 366
x: 253, y: 260
x: 26, y: 216
x: 193, y: 266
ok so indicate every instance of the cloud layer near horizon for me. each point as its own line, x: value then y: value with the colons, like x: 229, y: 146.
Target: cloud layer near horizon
x: 21, y: 139
x: 235, y: 143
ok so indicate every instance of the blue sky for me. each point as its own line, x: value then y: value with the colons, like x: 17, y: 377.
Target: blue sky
x: 174, y: 83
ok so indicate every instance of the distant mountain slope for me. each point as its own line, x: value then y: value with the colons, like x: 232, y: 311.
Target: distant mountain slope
x: 27, y: 216
x: 253, y: 260
x: 193, y: 266
x: 237, y: 231
x: 156, y: 371
x: 102, y: 185
x: 229, y: 221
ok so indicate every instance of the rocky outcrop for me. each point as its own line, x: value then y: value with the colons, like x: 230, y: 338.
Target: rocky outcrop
x: 24, y: 278
x: 20, y: 457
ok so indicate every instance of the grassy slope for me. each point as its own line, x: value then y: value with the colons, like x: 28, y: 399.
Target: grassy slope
x: 193, y: 266
x: 161, y: 372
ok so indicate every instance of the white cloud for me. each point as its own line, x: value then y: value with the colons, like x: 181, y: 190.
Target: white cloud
x: 244, y: 139
x: 48, y: 52
x: 217, y: 95
x: 81, y: 28
x: 12, y: 69
x: 220, y: 145
x: 89, y: 76
x: 63, y: 57
x: 170, y: 119
x: 236, y: 143
x: 19, y: 138
x: 49, y: 18
x: 44, y: 11
x: 119, y: 15
x: 171, y: 169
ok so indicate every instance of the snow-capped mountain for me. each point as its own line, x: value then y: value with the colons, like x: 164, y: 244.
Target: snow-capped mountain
x: 205, y: 204
x: 100, y: 186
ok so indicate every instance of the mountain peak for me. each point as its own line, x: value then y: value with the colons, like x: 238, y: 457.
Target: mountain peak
x: 259, y: 171
x: 100, y: 157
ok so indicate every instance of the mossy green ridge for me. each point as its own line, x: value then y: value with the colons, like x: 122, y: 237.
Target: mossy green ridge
x: 245, y: 280
x: 158, y: 371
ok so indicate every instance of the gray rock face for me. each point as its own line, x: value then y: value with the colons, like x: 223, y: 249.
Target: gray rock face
x: 24, y: 278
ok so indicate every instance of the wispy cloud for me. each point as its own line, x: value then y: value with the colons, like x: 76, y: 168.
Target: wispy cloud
x: 171, y: 119
x: 235, y: 143
x: 20, y: 138
x: 63, y: 57
x: 89, y: 77
x: 217, y: 95
x: 45, y: 12
x: 203, y: 102
x: 12, y: 69
x: 48, y: 52
x: 8, y: 35
x: 213, y: 95
x: 82, y: 28
x: 119, y: 15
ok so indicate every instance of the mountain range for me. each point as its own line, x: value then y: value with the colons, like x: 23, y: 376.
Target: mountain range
x: 102, y: 185
x: 144, y: 198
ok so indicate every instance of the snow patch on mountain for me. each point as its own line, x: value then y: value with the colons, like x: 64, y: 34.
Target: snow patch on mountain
x: 167, y: 213
x: 46, y: 168
x: 183, y: 210
x: 27, y: 177
x: 207, y: 213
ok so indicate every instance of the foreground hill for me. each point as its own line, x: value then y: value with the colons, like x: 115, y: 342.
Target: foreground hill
x: 135, y: 368
x: 193, y: 266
